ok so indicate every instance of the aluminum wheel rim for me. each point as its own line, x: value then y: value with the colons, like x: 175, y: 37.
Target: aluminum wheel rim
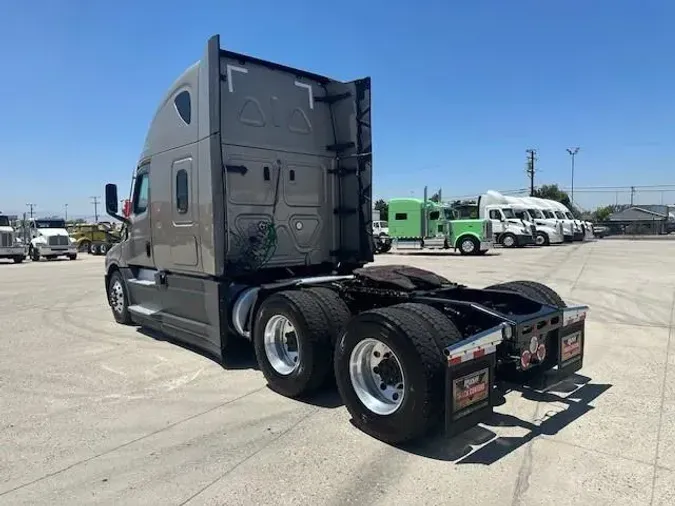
x: 508, y: 241
x: 540, y: 240
x: 380, y: 390
x: 468, y: 246
x: 117, y: 296
x: 103, y: 248
x: 282, y: 346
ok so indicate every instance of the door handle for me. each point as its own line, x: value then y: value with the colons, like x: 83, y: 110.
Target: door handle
x: 148, y: 250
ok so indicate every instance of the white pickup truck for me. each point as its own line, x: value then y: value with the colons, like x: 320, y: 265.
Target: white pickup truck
x: 10, y: 246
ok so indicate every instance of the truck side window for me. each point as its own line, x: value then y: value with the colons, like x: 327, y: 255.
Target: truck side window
x: 494, y: 215
x: 401, y: 216
x: 182, y: 196
x: 434, y: 215
x: 183, y: 105
x: 141, y: 194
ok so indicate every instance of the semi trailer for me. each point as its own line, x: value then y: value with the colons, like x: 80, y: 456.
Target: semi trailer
x: 250, y: 219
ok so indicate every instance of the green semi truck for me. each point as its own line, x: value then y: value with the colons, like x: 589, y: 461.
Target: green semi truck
x: 417, y: 224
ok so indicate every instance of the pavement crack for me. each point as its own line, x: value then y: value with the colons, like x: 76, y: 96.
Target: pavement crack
x: 663, y: 400
x: 123, y: 445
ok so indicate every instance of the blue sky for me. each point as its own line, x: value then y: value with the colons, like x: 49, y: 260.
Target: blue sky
x: 460, y: 89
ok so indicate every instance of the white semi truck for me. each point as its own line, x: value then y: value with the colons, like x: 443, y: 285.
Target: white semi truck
x: 250, y: 219
x: 509, y: 230
x: 10, y: 245
x: 576, y: 225
x: 49, y: 239
x: 547, y: 232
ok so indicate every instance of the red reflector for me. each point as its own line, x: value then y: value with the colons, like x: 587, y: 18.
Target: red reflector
x: 479, y: 353
x: 456, y: 360
x: 525, y: 359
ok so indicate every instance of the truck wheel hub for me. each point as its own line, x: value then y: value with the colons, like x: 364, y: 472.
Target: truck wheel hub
x: 117, y: 297
x: 281, y: 345
x: 377, y: 376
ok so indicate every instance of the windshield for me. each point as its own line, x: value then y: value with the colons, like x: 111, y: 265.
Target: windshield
x: 508, y: 213
x: 4, y: 221
x: 522, y: 214
x: 559, y: 215
x: 384, y: 224
x: 536, y: 213
x: 50, y: 224
x: 569, y: 216
x: 548, y: 214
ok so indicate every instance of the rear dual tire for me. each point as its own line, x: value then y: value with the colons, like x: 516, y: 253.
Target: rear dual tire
x: 390, y: 370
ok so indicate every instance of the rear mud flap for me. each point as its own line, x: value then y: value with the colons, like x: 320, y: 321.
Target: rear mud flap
x: 568, y: 350
x: 470, y: 380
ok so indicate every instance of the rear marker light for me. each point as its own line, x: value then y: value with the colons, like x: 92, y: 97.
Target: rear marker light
x: 534, y: 342
x: 525, y: 359
x: 541, y: 352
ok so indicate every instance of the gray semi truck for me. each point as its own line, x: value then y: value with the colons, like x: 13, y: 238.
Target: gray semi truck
x: 251, y: 220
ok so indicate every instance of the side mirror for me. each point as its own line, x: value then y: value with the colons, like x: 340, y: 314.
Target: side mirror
x: 111, y: 199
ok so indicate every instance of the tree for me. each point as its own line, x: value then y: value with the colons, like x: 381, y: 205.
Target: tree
x: 383, y: 207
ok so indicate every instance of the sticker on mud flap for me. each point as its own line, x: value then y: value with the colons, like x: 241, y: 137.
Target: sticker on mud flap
x: 470, y: 390
x: 570, y: 347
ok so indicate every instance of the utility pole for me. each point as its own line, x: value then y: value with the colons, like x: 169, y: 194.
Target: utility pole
x: 632, y: 194
x: 530, y: 168
x: 31, y: 209
x: 572, y: 152
x: 95, y: 201
x: 66, y: 206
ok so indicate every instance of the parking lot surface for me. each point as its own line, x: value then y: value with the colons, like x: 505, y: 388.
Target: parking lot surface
x: 92, y: 412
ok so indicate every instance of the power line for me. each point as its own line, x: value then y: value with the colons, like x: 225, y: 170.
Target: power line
x: 31, y: 209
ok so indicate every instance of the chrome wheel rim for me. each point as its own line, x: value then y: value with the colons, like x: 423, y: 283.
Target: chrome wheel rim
x: 117, y: 296
x: 103, y: 248
x: 540, y: 240
x: 468, y: 246
x: 377, y: 376
x: 508, y: 241
x: 282, y: 346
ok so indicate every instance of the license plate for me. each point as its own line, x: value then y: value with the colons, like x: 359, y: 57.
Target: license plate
x: 470, y: 389
x: 570, y: 347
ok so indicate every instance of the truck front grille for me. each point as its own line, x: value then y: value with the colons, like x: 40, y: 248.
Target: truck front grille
x: 5, y: 239
x: 58, y: 240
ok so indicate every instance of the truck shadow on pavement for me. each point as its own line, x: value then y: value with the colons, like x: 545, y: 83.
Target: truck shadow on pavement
x: 480, y: 445
x: 240, y: 355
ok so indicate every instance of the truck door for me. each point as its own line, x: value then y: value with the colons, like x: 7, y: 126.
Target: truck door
x: 140, y: 239
x: 496, y: 218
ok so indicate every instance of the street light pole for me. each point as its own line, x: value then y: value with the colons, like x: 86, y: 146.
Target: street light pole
x: 66, y: 206
x: 572, y: 152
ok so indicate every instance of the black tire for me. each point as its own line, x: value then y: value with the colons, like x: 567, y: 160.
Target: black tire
x: 442, y: 329
x: 385, y: 248
x: 335, y: 310
x: 534, y: 290
x: 543, y: 237
x: 102, y: 249
x: 312, y: 331
x: 72, y: 257
x: 18, y: 260
x: 509, y: 238
x: 119, y: 302
x: 406, y: 334
x: 93, y: 249
x: 34, y: 254
x: 468, y: 245
x: 84, y: 246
